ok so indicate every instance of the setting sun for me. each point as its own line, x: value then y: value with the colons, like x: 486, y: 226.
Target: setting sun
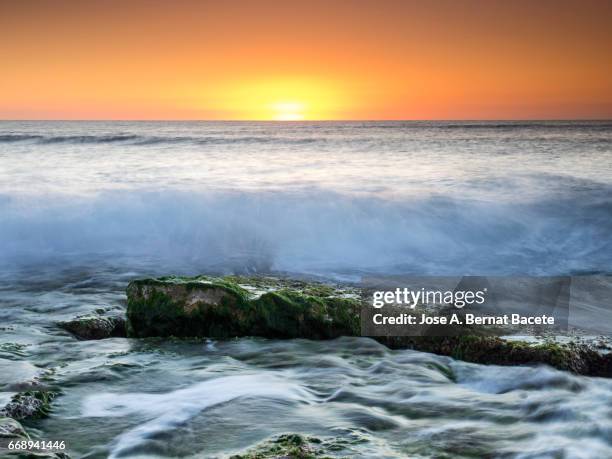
x: 288, y: 98
x: 288, y: 111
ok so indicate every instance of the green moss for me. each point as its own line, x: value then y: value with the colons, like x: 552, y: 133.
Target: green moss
x: 32, y: 404
x: 290, y: 314
x: 191, y: 283
x: 160, y: 307
x: 497, y: 351
x: 222, y: 308
x: 288, y: 446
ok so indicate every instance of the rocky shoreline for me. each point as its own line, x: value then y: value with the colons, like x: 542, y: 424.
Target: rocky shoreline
x: 234, y: 306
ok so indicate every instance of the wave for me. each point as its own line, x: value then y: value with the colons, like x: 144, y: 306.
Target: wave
x: 581, y: 125
x: 494, y: 125
x: 142, y: 140
x: 88, y: 138
x: 6, y: 138
x: 316, y: 232
x: 75, y: 139
x: 144, y: 134
x: 219, y: 140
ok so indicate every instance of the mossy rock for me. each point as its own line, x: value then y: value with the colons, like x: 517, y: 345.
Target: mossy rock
x: 31, y: 404
x: 497, y: 351
x: 234, y: 306
x: 287, y: 446
x: 95, y: 327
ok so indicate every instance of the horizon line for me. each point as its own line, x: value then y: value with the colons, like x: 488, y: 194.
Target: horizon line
x: 347, y: 120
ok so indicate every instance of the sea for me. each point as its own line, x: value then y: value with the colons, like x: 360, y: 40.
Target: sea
x: 85, y: 207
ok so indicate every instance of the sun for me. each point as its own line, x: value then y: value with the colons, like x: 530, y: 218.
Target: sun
x: 279, y: 99
x: 288, y: 111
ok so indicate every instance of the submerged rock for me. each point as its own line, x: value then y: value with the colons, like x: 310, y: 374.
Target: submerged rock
x: 288, y: 446
x: 95, y: 327
x: 29, y: 404
x: 233, y: 306
x: 10, y: 429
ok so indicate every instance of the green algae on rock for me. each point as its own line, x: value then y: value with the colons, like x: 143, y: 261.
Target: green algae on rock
x: 29, y: 404
x: 579, y: 359
x: 288, y: 446
x: 225, y: 307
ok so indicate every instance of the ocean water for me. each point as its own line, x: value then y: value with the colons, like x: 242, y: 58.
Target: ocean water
x: 87, y: 206
x: 339, y: 199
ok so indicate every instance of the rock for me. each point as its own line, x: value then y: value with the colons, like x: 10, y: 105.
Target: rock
x: 278, y: 308
x: 288, y: 446
x: 95, y: 327
x: 10, y: 429
x: 235, y: 306
x: 580, y: 359
x: 32, y: 454
x: 29, y: 404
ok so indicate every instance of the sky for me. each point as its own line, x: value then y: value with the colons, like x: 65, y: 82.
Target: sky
x: 305, y: 59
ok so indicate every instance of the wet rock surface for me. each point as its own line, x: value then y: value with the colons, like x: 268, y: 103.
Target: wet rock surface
x: 577, y: 358
x: 12, y: 431
x: 95, y: 327
x: 232, y: 306
x: 29, y: 404
x: 292, y: 446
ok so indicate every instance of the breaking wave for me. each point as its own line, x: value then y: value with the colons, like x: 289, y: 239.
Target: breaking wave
x: 321, y: 233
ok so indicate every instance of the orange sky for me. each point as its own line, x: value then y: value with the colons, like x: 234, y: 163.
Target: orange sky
x: 305, y: 59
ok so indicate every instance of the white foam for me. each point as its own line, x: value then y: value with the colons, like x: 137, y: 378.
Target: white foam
x: 316, y: 233
x: 169, y: 410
